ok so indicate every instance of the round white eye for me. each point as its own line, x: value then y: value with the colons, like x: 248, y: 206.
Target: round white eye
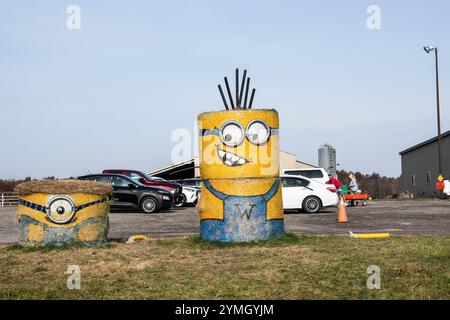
x: 60, y: 209
x: 258, y: 132
x: 232, y: 133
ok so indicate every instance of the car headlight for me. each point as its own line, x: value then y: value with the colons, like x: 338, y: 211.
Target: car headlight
x: 166, y: 198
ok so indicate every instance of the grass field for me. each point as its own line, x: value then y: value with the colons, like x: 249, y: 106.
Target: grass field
x: 293, y: 267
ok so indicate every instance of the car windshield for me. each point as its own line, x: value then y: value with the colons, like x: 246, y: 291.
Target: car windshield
x: 306, y: 173
x: 294, y: 182
x: 135, y: 181
x: 114, y: 180
x: 151, y: 178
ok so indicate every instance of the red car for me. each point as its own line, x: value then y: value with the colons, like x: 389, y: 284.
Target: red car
x: 175, y: 188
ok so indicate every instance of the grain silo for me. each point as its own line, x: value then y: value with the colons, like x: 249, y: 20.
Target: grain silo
x: 327, y: 158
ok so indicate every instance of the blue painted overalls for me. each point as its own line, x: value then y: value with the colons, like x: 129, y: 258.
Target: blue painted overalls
x: 244, y: 218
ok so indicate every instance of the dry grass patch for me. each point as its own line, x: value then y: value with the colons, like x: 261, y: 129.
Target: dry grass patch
x: 288, y: 268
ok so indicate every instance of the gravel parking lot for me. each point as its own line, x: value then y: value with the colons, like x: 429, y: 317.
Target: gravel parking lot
x: 397, y: 217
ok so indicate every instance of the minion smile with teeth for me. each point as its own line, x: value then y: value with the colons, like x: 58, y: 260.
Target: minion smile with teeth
x: 230, y: 159
x: 239, y: 165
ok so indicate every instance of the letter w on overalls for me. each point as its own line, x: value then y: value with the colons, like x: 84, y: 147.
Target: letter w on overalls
x: 247, y: 211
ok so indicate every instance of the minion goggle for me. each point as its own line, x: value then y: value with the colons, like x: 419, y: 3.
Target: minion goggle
x: 232, y: 133
x: 60, y: 209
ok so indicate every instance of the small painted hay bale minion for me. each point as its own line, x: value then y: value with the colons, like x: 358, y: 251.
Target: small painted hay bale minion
x: 239, y: 165
x: 61, y: 212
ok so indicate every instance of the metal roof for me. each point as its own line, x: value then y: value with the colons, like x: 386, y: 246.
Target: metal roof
x: 427, y: 142
x: 173, y: 166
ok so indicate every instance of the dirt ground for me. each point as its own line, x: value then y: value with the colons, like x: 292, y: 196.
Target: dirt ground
x: 428, y: 216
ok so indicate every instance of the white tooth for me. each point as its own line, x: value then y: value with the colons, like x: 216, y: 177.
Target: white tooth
x: 221, y: 153
x: 229, y: 156
x: 228, y: 163
x: 234, y: 158
x: 241, y: 161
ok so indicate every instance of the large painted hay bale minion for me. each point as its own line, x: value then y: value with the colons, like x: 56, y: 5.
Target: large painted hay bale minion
x: 62, y: 212
x: 239, y: 165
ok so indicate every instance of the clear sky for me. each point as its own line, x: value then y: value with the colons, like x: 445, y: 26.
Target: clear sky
x: 111, y: 93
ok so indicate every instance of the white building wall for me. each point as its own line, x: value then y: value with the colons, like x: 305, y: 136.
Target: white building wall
x: 289, y: 161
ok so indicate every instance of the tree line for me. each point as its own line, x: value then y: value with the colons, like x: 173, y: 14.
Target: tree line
x: 9, y: 184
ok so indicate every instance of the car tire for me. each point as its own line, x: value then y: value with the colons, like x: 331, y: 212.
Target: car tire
x: 149, y: 205
x: 182, y: 203
x: 311, y: 204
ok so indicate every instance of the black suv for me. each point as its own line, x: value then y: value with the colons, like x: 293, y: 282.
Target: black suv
x: 132, y: 193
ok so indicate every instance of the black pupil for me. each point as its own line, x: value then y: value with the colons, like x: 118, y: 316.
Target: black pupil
x: 228, y: 137
x: 60, y: 210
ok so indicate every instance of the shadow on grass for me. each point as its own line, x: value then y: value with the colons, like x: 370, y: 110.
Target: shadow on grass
x: 285, y: 240
x: 47, y: 248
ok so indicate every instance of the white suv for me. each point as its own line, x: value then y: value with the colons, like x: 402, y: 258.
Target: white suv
x: 306, y: 194
x: 317, y: 174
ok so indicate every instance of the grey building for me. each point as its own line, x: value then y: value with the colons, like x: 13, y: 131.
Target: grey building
x: 420, y: 166
x: 327, y: 158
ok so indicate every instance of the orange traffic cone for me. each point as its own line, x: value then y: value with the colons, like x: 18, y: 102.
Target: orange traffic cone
x: 342, y: 214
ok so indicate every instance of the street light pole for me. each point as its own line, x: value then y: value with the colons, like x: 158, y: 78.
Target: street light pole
x: 428, y: 49
x: 438, y: 113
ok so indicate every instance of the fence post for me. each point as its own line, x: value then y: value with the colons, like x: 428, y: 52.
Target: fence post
x: 3, y: 199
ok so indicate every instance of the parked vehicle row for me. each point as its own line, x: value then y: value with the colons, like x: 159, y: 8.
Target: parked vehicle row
x: 135, y: 189
x: 129, y: 193
x: 174, y: 188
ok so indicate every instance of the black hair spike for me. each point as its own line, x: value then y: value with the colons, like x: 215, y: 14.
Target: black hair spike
x: 240, y: 98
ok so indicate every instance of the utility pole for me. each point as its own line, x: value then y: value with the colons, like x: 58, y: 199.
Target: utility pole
x: 428, y: 49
